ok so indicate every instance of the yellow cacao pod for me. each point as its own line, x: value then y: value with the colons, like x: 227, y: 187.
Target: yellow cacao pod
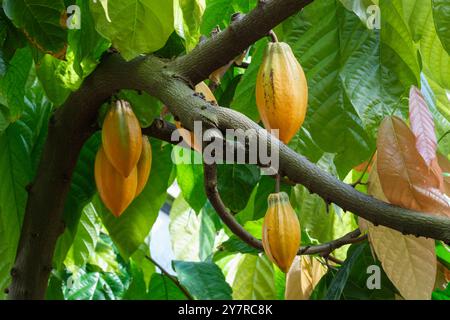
x: 116, y: 191
x: 281, y: 91
x: 188, y: 136
x: 281, y: 231
x: 144, y: 165
x: 122, y: 137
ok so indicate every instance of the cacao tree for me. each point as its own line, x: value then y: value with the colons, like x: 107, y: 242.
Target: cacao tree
x: 108, y: 109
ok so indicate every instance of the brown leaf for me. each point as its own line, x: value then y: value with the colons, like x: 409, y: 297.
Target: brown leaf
x: 405, y: 178
x: 409, y: 262
x: 444, y: 164
x: 422, y: 125
x: 303, y: 276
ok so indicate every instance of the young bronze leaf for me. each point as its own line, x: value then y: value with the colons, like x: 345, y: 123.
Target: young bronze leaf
x: 444, y: 164
x: 405, y: 178
x: 303, y: 276
x: 422, y: 125
x: 409, y: 262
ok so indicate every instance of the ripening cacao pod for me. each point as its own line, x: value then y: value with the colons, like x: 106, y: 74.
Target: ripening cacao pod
x: 144, y: 165
x: 122, y: 137
x: 116, y: 191
x: 188, y: 136
x: 281, y: 91
x: 281, y: 231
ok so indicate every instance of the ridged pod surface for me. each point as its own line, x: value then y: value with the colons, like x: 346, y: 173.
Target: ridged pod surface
x: 188, y: 136
x: 122, y: 137
x: 115, y: 191
x: 281, y: 231
x: 281, y: 91
x: 144, y: 165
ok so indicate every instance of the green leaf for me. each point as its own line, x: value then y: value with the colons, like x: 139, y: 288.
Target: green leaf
x: 236, y: 245
x: 162, y: 288
x: 104, y: 257
x: 145, y: 107
x: 15, y: 174
x: 236, y: 183
x: 354, y: 287
x: 96, y: 286
x: 51, y: 72
x: 254, y: 279
x: 441, y: 14
x: 190, y: 177
x: 136, y: 26
x: 41, y: 21
x: 188, y: 19
x: 54, y: 289
x: 218, y: 12
x: 85, y: 43
x: 130, y: 230
x: 137, y: 290
x: 146, y: 266
x: 340, y: 280
x: 12, y: 85
x: 209, y: 225
x: 85, y: 239
x: 82, y: 189
x: 244, y: 99
x: 184, y: 231
x: 204, y: 280
x: 434, y: 57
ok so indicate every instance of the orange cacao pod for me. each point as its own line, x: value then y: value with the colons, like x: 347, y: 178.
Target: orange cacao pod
x: 115, y: 191
x: 188, y: 136
x: 281, y: 231
x: 144, y: 165
x: 281, y: 91
x: 122, y: 137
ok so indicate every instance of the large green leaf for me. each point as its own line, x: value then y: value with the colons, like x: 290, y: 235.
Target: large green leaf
x: 190, y: 177
x: 254, y: 279
x: 188, y: 20
x: 57, y: 78
x: 236, y: 183
x: 85, y: 43
x: 96, y: 286
x: 162, y: 288
x: 41, y: 21
x: 82, y: 189
x: 441, y: 13
x: 218, y: 12
x: 184, y: 231
x: 436, y: 60
x: 136, y: 26
x: 145, y: 107
x: 203, y: 280
x: 85, y: 239
x: 15, y: 175
x: 12, y: 84
x: 316, y: 35
x: 244, y: 99
x: 133, y: 226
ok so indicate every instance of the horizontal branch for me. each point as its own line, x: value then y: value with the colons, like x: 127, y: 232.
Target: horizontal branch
x: 210, y: 175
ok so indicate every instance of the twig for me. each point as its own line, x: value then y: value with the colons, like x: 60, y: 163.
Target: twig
x: 359, y: 181
x: 210, y: 172
x: 171, y: 277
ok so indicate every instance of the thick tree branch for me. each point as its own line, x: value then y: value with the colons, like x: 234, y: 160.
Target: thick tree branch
x: 228, y: 44
x: 210, y: 175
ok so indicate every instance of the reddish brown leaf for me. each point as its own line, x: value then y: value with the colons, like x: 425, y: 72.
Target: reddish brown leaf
x: 422, y: 125
x: 405, y: 178
x: 444, y: 164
